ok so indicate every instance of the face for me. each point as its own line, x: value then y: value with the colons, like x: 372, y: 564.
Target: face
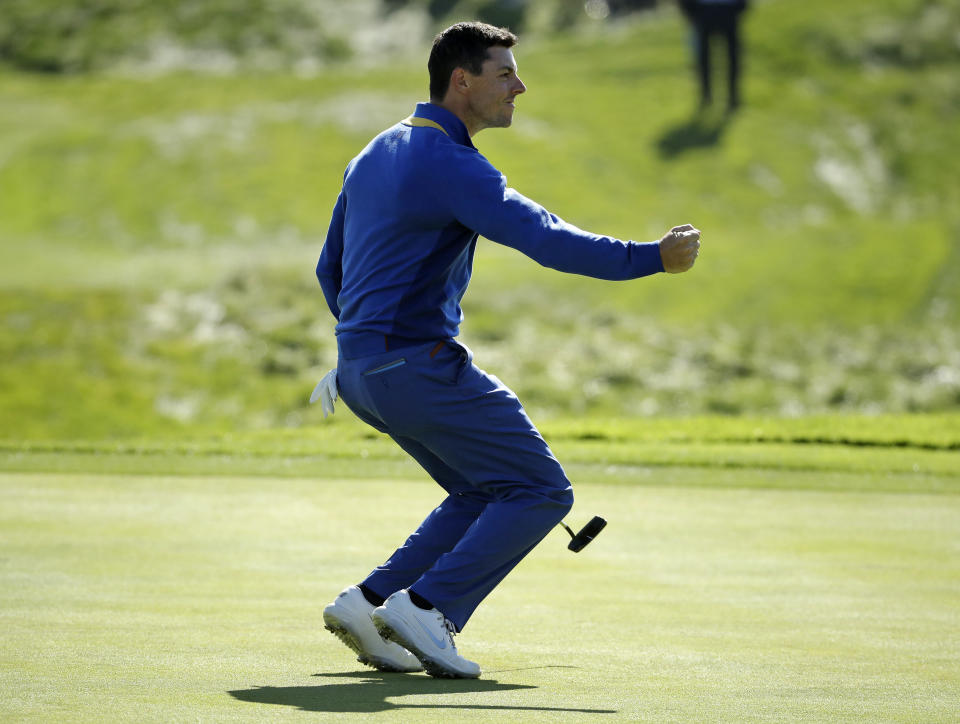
x: 490, y: 96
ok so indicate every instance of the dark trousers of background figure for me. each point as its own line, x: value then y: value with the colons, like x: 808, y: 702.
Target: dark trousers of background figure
x: 722, y: 22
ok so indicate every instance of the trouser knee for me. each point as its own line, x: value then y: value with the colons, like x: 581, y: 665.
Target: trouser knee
x: 562, y: 502
x: 542, y: 505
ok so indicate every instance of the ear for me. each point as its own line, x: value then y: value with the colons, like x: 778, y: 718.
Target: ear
x: 459, y: 80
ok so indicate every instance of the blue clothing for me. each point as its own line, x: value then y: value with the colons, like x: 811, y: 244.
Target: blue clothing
x: 506, y: 490
x: 395, y: 265
x: 399, y: 251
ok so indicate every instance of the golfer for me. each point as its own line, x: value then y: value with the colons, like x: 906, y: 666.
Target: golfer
x: 394, y: 267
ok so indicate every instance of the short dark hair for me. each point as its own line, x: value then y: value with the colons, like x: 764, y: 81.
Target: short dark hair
x: 463, y: 45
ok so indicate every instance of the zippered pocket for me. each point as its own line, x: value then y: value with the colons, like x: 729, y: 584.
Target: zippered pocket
x: 386, y: 368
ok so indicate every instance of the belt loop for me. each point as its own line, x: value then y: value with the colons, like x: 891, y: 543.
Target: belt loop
x: 386, y: 343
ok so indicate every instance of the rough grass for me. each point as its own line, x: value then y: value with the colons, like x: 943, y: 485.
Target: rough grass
x: 161, y: 232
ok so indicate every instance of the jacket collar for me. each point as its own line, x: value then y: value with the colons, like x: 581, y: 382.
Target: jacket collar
x: 451, y: 124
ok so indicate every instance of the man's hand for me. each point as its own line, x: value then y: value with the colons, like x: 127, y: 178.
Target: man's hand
x: 679, y: 248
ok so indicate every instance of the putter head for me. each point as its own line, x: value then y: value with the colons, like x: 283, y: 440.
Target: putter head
x: 587, y: 534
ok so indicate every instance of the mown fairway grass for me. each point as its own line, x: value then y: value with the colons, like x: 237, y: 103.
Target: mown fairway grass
x: 736, y: 581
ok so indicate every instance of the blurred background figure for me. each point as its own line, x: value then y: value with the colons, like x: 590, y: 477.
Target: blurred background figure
x: 716, y: 18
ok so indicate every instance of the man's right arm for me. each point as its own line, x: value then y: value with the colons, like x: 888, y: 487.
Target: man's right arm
x: 329, y: 267
x: 480, y: 199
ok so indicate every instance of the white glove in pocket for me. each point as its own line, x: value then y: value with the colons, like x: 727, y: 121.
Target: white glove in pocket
x: 326, y: 392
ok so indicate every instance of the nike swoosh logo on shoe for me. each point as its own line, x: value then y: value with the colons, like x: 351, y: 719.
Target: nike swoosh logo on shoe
x: 439, y: 643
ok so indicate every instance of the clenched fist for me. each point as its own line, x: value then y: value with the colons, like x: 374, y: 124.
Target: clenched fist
x: 679, y: 248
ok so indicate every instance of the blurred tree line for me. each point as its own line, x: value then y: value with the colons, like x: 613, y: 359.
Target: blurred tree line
x: 71, y: 36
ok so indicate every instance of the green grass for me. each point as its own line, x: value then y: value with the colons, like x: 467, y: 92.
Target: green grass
x: 718, y: 594
x: 752, y: 570
x: 905, y: 453
x: 774, y: 438
x: 161, y: 231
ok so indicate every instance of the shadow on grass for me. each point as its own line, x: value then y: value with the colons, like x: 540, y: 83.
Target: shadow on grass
x: 370, y: 692
x: 701, y: 131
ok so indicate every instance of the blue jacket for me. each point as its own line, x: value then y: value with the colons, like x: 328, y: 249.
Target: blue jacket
x: 399, y: 252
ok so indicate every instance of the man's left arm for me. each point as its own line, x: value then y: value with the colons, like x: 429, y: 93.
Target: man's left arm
x: 329, y: 267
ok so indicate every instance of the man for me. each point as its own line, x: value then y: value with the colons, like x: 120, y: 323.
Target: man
x: 395, y: 265
x: 716, y: 18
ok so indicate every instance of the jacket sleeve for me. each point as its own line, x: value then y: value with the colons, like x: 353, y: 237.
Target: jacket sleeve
x: 480, y: 199
x: 329, y: 268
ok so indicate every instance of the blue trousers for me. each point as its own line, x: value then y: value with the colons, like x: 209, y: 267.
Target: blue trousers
x: 505, y: 488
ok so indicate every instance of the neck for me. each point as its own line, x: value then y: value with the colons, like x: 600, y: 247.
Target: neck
x: 460, y: 111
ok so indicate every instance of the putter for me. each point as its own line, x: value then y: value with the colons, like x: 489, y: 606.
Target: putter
x: 590, y: 531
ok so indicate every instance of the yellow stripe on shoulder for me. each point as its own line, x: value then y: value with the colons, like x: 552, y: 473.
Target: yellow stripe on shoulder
x: 418, y: 122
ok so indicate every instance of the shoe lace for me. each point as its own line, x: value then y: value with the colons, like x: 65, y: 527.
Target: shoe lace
x: 451, y: 632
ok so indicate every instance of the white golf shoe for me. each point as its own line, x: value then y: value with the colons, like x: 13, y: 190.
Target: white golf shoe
x: 348, y: 618
x: 428, y: 634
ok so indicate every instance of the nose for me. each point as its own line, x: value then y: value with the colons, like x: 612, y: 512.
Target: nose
x: 519, y: 87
